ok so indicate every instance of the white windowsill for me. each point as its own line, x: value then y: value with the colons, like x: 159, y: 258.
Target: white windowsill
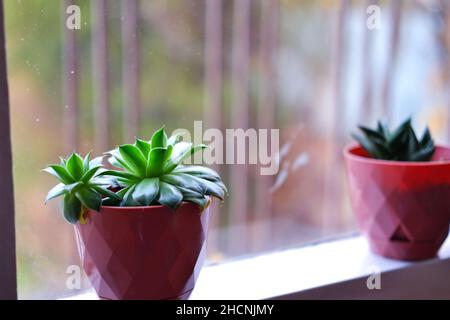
x: 278, y: 273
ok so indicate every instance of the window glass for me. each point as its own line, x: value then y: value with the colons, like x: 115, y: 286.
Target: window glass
x: 283, y: 65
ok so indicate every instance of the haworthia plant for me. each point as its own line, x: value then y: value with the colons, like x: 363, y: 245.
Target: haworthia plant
x: 401, y: 144
x: 149, y: 173
x: 80, y: 185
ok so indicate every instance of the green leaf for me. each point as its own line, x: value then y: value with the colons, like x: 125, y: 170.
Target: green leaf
x: 184, y: 181
x: 159, y: 139
x: 89, y: 198
x: 413, y: 143
x: 96, y: 162
x: 211, y: 188
x: 74, y: 186
x: 367, y: 145
x: 75, y: 166
x: 120, y: 174
x: 169, y: 195
x: 61, y: 173
x: 426, y: 139
x: 400, y: 136
x: 383, y: 129
x: 188, y: 193
x: 89, y: 174
x: 106, y: 192
x: 86, y: 162
x: 201, y: 201
x: 134, y: 158
x: 423, y: 154
x: 144, y: 146
x: 180, y: 152
x: 157, y: 160
x: 117, y: 161
x: 128, y: 200
x: 71, y: 208
x: 146, y: 191
x: 372, y: 134
x: 56, y: 191
x: 199, y: 171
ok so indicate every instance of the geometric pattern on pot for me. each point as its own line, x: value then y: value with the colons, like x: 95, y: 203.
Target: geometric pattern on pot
x: 143, y: 252
x: 400, y: 201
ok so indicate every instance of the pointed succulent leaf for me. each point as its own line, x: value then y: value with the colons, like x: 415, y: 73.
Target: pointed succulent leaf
x: 146, y: 191
x: 184, y: 181
x: 128, y: 200
x: 86, y: 162
x: 211, y: 188
x: 96, y: 162
x: 202, y: 202
x: 56, y: 191
x: 413, y: 143
x: 424, y: 154
x: 117, y: 161
x: 372, y: 134
x: 75, y: 166
x: 71, y: 208
x: 120, y: 174
x: 157, y: 161
x: 181, y: 152
x: 133, y: 158
x: 426, y: 139
x: 383, y: 129
x: 89, y: 174
x: 89, y: 198
x: 159, y: 139
x: 169, y: 195
x: 367, y: 145
x: 106, y: 192
x: 199, y: 171
x: 144, y: 146
x: 61, y: 173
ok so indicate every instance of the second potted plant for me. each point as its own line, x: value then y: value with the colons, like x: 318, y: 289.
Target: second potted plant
x: 400, y: 191
x: 141, y: 229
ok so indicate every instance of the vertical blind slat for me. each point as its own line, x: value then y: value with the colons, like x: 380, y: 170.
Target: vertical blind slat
x: 130, y: 68
x: 213, y: 91
x: 100, y: 73
x: 70, y: 72
x: 240, y: 116
x: 367, y: 68
x: 268, y: 28
x: 396, y: 16
x: 331, y: 216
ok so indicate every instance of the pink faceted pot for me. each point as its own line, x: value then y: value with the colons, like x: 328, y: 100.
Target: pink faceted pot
x: 403, y: 208
x: 143, y: 252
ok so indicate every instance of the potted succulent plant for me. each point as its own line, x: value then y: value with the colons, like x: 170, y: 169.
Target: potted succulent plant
x: 140, y: 229
x: 400, y: 191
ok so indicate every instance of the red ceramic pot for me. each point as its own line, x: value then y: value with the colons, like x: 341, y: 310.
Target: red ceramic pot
x: 143, y: 252
x: 403, y: 208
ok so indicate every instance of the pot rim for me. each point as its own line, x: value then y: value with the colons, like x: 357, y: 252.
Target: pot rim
x: 350, y: 155
x: 184, y: 203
